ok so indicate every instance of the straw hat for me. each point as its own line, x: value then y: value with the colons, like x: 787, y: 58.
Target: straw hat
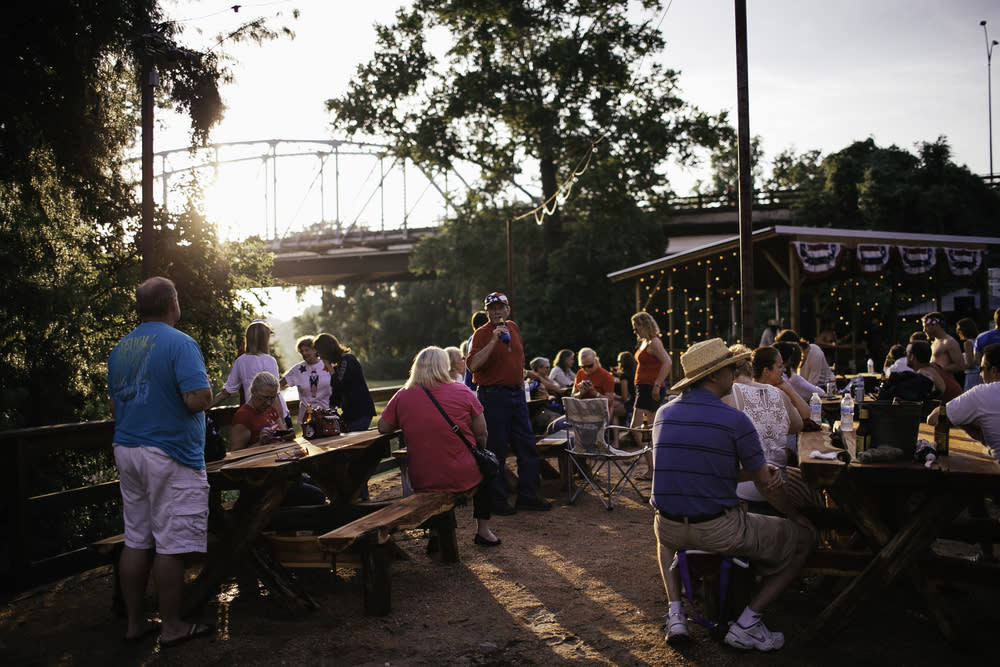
x: 704, y: 358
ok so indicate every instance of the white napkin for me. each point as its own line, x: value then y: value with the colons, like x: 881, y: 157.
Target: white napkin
x: 827, y: 456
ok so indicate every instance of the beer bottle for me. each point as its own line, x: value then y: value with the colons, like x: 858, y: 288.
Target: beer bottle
x: 308, y: 427
x: 863, y: 434
x: 941, y: 431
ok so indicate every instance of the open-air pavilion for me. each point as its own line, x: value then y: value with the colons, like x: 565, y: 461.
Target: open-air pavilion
x: 855, y: 279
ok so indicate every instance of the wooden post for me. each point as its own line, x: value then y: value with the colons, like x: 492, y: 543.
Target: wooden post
x: 746, y: 179
x: 670, y: 311
x: 794, y: 291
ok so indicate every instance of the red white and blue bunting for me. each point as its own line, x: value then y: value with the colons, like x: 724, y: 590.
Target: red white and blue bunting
x: 917, y: 260
x: 873, y: 257
x: 818, y: 259
x: 962, y: 261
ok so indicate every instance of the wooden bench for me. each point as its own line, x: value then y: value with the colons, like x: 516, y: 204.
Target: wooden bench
x: 370, y: 539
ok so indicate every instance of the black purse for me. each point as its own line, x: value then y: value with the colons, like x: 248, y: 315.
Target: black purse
x: 489, y: 464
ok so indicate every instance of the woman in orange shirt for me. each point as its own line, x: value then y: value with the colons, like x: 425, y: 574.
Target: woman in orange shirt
x: 652, y: 368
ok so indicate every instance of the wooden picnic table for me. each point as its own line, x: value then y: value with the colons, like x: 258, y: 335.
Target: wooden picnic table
x: 340, y: 465
x: 900, y: 508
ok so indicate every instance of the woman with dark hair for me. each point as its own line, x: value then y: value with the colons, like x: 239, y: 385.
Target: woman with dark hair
x: 762, y: 393
x: 967, y: 332
x: 562, y: 369
x: 439, y: 459
x: 348, y: 388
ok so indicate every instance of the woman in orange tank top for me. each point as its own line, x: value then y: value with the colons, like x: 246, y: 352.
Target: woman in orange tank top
x: 652, y: 368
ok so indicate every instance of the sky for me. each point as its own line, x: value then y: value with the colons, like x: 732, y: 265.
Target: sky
x: 821, y: 76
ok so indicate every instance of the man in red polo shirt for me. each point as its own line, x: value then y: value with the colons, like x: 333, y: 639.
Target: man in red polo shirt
x: 592, y: 380
x: 496, y: 359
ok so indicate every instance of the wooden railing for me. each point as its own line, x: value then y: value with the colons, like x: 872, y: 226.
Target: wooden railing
x: 26, y: 515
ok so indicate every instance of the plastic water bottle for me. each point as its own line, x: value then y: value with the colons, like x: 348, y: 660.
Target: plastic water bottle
x: 847, y: 413
x: 816, y: 409
x: 527, y: 391
x: 871, y: 365
x: 859, y: 389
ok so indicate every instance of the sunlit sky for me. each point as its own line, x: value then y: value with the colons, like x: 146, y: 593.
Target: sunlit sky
x: 821, y: 75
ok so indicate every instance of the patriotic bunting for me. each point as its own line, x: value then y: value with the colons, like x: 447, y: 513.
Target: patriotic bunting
x: 917, y: 260
x: 963, y: 262
x: 818, y: 259
x: 872, y: 258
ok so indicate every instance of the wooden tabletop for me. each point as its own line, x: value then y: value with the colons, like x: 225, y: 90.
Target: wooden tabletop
x: 968, y: 463
x: 278, y: 454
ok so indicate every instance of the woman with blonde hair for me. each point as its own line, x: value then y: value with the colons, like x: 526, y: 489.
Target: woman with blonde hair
x: 651, y: 371
x: 255, y: 359
x: 439, y: 457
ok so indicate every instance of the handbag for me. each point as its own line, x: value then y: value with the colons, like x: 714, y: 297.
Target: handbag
x: 489, y: 464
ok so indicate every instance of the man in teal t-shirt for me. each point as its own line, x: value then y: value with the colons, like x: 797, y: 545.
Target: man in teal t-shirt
x: 159, y: 391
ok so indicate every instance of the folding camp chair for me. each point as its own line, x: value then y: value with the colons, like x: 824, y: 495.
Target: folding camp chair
x: 588, y: 448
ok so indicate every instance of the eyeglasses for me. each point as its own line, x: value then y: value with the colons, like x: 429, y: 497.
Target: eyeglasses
x: 588, y: 366
x: 266, y: 397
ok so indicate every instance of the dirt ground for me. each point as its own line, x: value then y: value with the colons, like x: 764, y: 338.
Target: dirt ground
x: 576, y: 585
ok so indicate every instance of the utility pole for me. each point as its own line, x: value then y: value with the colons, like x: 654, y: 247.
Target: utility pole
x: 150, y: 78
x: 745, y: 179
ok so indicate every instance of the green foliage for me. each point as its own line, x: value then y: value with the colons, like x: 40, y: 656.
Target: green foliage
x: 538, y: 95
x: 68, y: 218
x: 890, y: 189
x: 726, y: 164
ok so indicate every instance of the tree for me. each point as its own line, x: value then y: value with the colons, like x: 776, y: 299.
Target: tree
x: 726, y: 164
x: 556, y: 101
x: 68, y: 216
x: 526, y: 87
x: 796, y: 172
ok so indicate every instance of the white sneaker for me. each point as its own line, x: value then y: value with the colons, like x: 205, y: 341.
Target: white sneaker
x: 677, y: 627
x: 757, y: 636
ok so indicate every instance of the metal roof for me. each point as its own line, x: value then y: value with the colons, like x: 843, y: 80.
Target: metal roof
x: 849, y: 237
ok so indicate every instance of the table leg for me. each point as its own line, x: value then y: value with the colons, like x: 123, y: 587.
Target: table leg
x: 898, y: 552
x: 252, y: 512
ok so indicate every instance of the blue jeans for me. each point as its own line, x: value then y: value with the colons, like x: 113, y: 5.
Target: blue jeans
x: 507, y: 422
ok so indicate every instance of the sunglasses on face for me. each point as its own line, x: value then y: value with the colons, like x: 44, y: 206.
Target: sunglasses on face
x: 588, y: 366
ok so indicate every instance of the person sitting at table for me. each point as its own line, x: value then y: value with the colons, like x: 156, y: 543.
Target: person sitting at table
x: 988, y: 337
x: 918, y: 357
x: 542, y: 388
x: 562, y: 370
x: 978, y: 409
x: 703, y: 449
x: 257, y: 423
x: 791, y: 355
x: 761, y: 391
x: 895, y: 360
x: 310, y: 378
x: 813, y: 366
x: 255, y: 359
x: 347, y: 384
x: 439, y: 458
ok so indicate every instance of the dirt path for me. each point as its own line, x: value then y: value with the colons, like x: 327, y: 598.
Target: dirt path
x: 577, y: 585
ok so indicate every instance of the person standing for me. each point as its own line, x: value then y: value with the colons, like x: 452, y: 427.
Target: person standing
x: 159, y: 390
x: 703, y: 448
x: 988, y: 337
x: 348, y: 388
x: 310, y: 377
x: 946, y: 353
x: 652, y: 368
x: 496, y: 359
x: 967, y: 333
x: 256, y: 358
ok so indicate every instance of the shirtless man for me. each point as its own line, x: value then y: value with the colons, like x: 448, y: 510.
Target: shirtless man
x: 946, y: 351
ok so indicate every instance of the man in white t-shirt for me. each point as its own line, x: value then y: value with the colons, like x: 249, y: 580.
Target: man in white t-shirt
x: 978, y: 409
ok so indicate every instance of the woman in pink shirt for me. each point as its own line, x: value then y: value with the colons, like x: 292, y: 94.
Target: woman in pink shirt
x: 439, y: 459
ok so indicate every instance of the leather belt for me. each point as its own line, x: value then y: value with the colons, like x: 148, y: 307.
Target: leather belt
x: 694, y: 518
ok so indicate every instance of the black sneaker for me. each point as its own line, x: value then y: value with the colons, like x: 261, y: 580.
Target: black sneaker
x: 533, y: 504
x: 503, y: 509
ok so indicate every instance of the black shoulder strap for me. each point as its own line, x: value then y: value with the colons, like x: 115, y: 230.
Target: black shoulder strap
x: 454, y: 429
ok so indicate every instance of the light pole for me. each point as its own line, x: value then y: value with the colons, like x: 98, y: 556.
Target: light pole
x: 989, y: 91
